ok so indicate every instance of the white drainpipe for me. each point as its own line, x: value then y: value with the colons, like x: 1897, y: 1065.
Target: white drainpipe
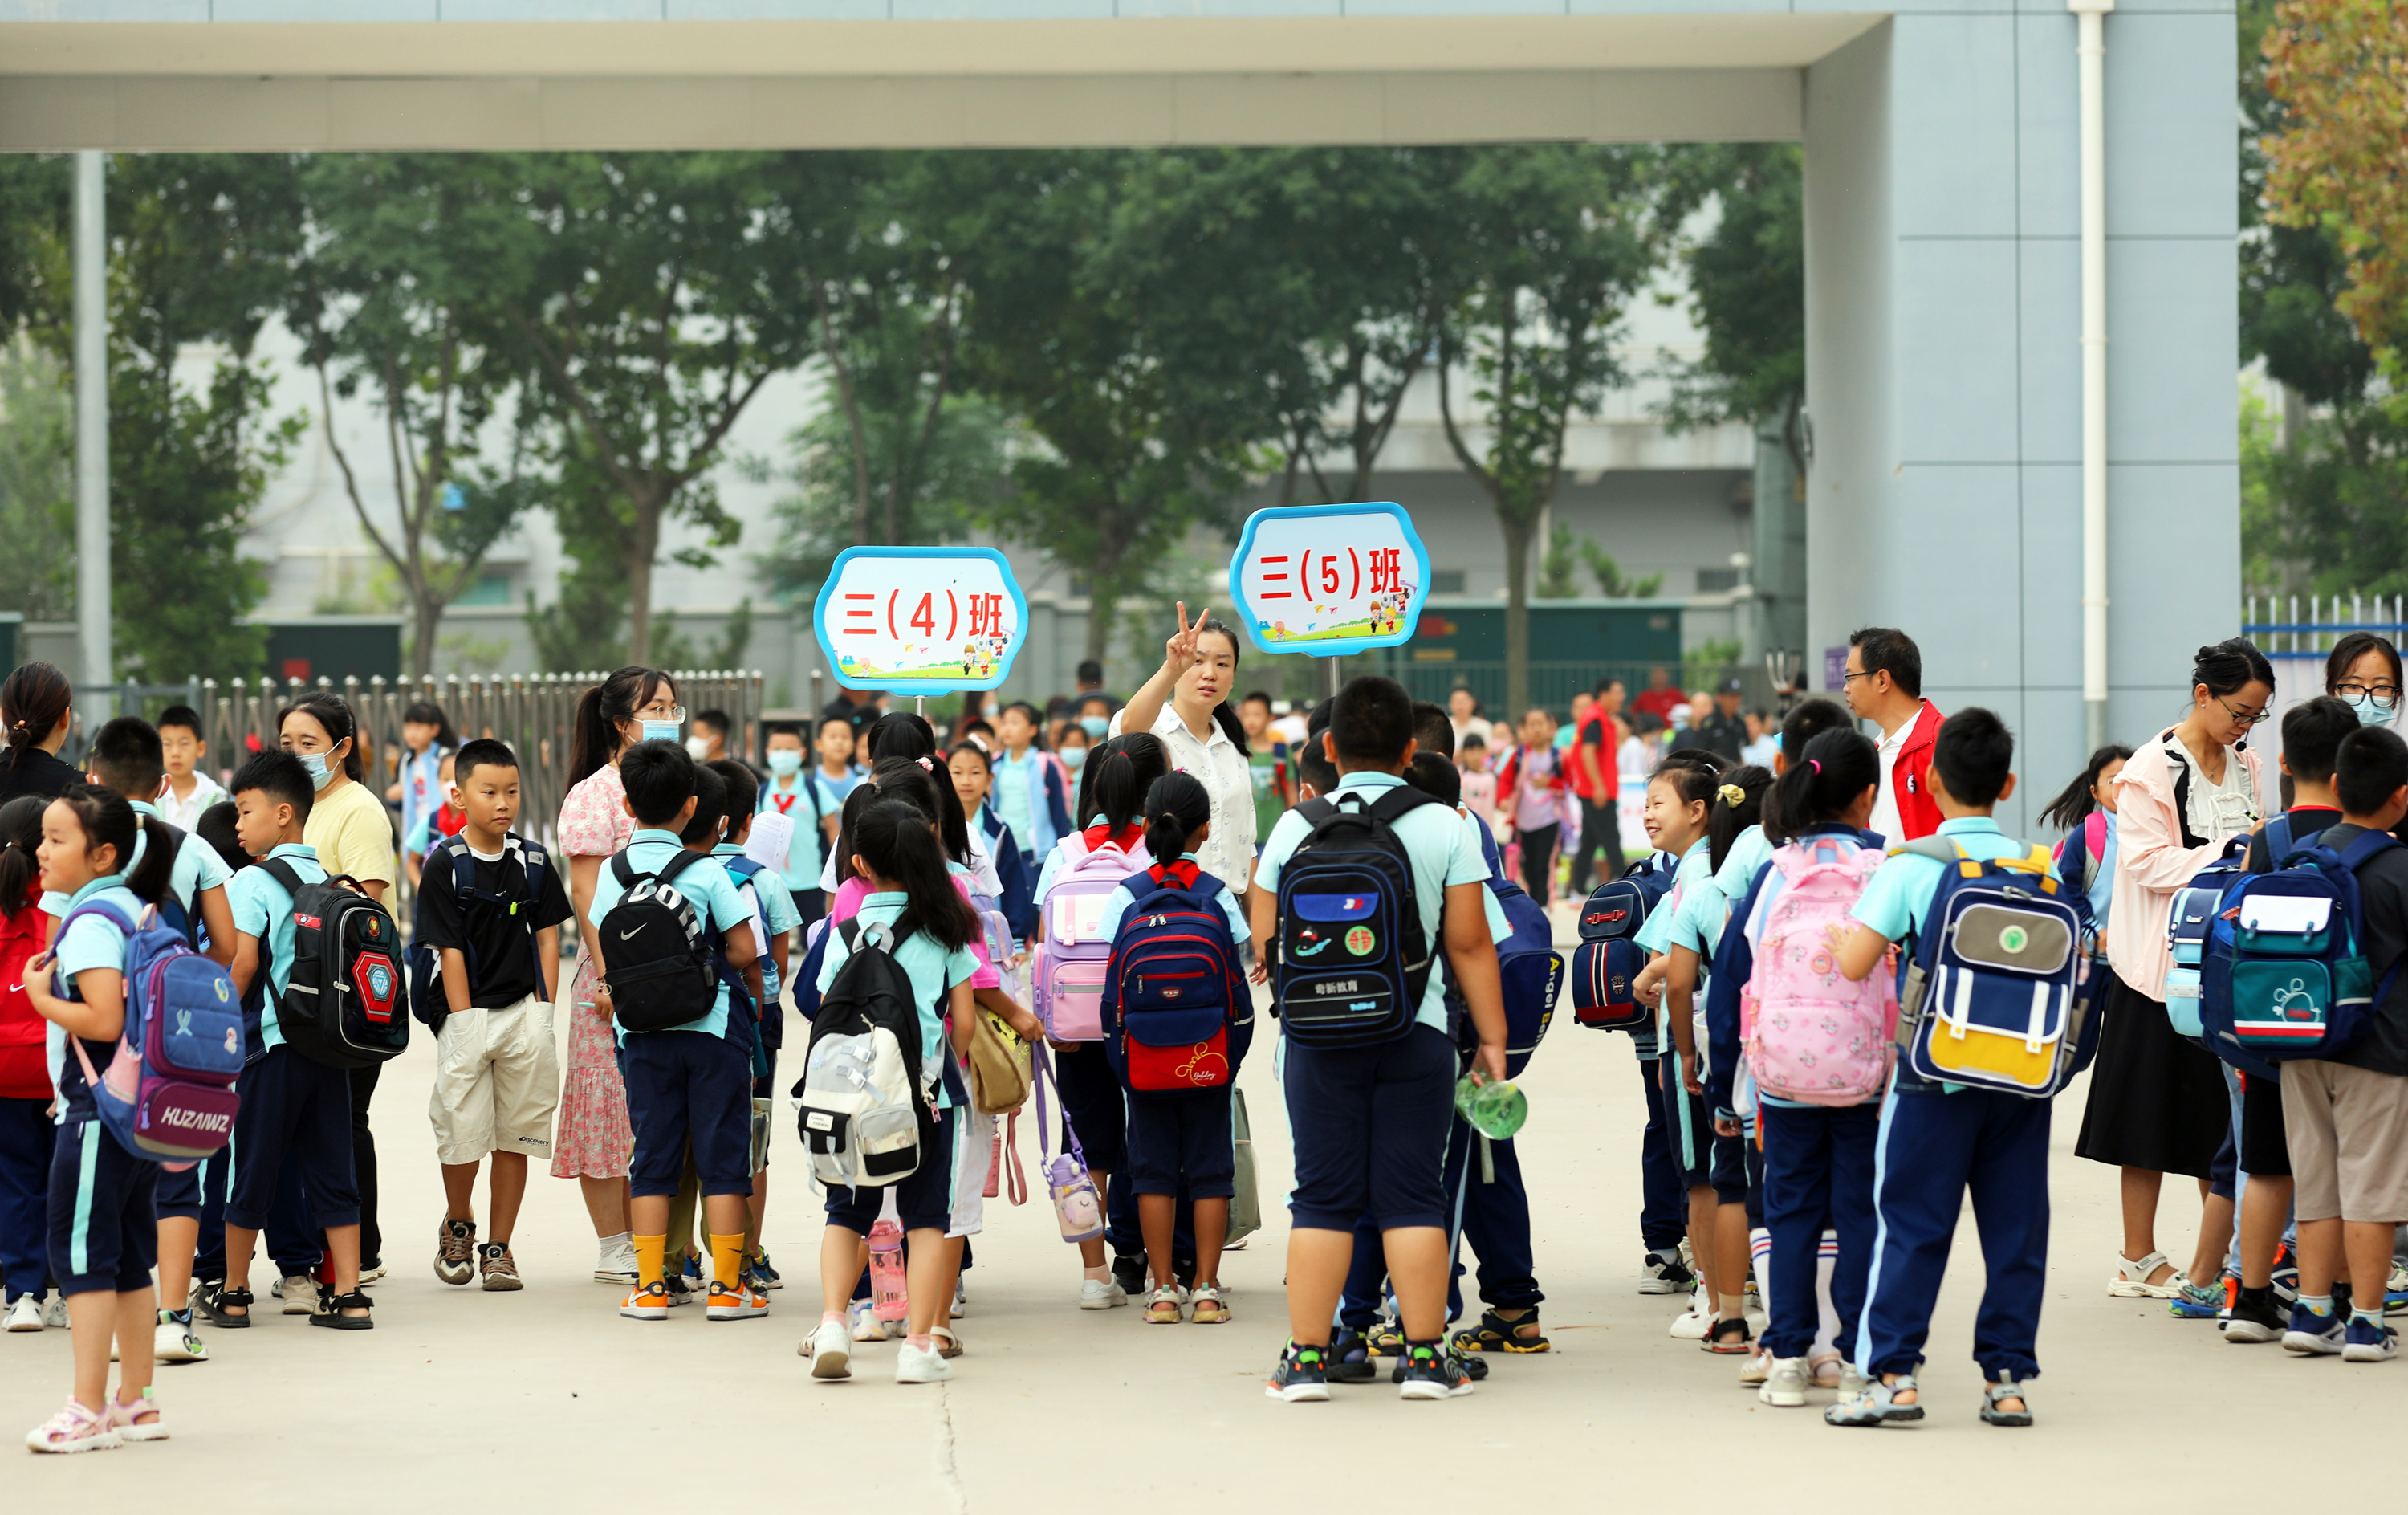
x: 2091, y: 49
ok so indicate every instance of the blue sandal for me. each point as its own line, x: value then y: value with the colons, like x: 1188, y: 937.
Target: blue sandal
x: 2006, y: 1387
x: 1878, y: 1405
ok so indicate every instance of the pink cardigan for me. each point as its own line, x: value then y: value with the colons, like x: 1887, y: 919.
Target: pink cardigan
x: 2151, y: 863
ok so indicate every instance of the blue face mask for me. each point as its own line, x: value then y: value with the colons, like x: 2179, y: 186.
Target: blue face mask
x: 2370, y: 713
x: 1072, y: 757
x: 320, y: 774
x: 660, y: 730
x: 1095, y: 725
x: 785, y: 761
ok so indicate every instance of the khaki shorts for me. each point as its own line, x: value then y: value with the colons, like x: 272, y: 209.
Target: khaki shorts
x: 497, y: 1083
x: 2348, y: 1133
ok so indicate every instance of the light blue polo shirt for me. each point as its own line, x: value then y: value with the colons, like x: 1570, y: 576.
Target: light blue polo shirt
x: 1119, y: 901
x: 95, y: 942
x: 263, y: 909
x: 1694, y: 874
x: 1445, y: 849
x: 777, y: 915
x: 932, y: 968
x: 801, y: 869
x: 1900, y: 895
x: 704, y: 883
x: 197, y: 867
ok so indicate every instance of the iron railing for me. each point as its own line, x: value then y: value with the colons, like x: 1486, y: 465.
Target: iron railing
x: 2285, y: 626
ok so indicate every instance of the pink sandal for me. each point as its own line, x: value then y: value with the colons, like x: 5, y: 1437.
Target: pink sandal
x: 74, y: 1429
x: 124, y: 1419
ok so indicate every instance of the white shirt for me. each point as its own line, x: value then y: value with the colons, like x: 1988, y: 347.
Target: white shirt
x: 1885, y: 817
x: 183, y: 814
x: 1220, y: 764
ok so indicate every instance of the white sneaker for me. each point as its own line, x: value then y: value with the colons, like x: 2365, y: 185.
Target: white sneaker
x: 1851, y: 1380
x: 616, y: 1265
x: 54, y: 1312
x: 1698, y: 1318
x: 176, y: 1342
x: 24, y: 1315
x: 921, y: 1365
x: 300, y: 1294
x: 1786, y: 1384
x: 863, y: 1323
x: 961, y: 1301
x: 830, y: 1349
x: 371, y: 1274
x: 1100, y: 1294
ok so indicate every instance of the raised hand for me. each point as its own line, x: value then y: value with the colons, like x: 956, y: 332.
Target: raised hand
x: 1179, y: 651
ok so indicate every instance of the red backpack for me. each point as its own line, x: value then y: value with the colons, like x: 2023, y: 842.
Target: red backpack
x: 24, y: 1065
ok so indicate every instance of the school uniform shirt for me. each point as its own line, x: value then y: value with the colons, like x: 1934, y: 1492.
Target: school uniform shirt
x: 197, y: 866
x: 772, y: 918
x: 1734, y: 954
x: 1444, y: 851
x: 1119, y: 902
x: 802, y: 803
x: 263, y: 909
x: 421, y: 789
x: 704, y: 883
x: 1220, y: 765
x: 499, y: 943
x: 184, y: 814
x: 2382, y: 900
x: 91, y: 942
x: 1696, y: 870
x: 1029, y: 794
x: 933, y: 968
x: 350, y: 832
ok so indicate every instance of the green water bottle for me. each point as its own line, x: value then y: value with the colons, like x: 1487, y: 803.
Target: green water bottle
x: 1496, y: 1110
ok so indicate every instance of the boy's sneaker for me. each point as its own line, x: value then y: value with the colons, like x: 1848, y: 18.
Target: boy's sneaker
x: 2316, y: 1335
x: 921, y: 1365
x: 1785, y: 1385
x: 501, y: 1270
x: 54, y: 1312
x: 830, y: 1349
x: 300, y: 1294
x: 1662, y: 1272
x: 456, y: 1251
x: 176, y: 1341
x: 2196, y: 1302
x: 677, y: 1290
x: 2370, y: 1341
x: 370, y: 1273
x: 1433, y: 1372
x: 616, y: 1265
x: 1101, y: 1295
x: 24, y: 1314
x: 647, y: 1302
x: 1302, y: 1374
x: 862, y: 1322
x: 763, y: 1272
x: 2286, y: 1278
x: 742, y: 1302
x: 2395, y: 1293
x: 2255, y: 1318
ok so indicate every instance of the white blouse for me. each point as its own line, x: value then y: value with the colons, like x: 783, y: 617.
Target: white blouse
x: 1220, y: 764
x: 2216, y: 811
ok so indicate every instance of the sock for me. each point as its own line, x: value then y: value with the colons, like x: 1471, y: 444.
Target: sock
x: 650, y: 1255
x: 828, y: 1317
x: 1734, y: 1307
x: 1827, y: 1315
x: 180, y: 1316
x: 2372, y: 1318
x: 2262, y: 1294
x: 727, y: 1260
x: 926, y: 1342
x: 610, y: 1244
x: 2319, y: 1305
x: 1099, y: 1272
x: 1759, y: 1258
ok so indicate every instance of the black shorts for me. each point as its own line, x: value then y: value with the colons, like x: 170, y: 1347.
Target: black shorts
x: 1371, y: 1127
x: 294, y: 1111
x: 1093, y: 1104
x: 1182, y: 1137
x: 688, y: 1086
x: 103, y: 1217
x: 1738, y: 1173
x: 925, y: 1201
x: 2265, y: 1151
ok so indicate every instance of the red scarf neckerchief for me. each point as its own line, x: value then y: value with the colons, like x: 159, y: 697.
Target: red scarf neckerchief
x: 1101, y: 835
x: 785, y: 803
x: 1184, y: 870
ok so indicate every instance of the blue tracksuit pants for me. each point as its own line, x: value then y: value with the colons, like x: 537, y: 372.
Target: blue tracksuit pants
x: 1934, y: 1149
x: 1818, y: 1173
x: 1494, y: 1218
x: 1664, y: 1201
x: 26, y: 1139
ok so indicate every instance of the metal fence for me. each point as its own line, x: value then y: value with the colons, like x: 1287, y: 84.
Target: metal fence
x: 1554, y: 683
x: 2287, y: 627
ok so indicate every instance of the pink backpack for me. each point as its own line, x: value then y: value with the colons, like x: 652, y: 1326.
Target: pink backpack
x: 1809, y: 1034
x: 1074, y: 943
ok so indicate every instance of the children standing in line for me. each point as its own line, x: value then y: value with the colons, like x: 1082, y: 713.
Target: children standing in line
x: 796, y: 795
x: 491, y: 903
x: 775, y: 918
x: 26, y: 1092
x: 190, y: 788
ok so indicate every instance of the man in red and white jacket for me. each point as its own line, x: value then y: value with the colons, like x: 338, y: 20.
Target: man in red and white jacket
x: 1884, y: 685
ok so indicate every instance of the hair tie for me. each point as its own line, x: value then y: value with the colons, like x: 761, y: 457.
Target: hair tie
x: 1815, y: 763
x: 925, y: 766
x: 1732, y: 795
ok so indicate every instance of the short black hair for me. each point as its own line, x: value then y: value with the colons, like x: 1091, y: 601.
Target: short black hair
x: 1809, y: 719
x: 1976, y: 754
x: 1091, y: 671
x: 1436, y: 776
x: 216, y: 827
x: 1883, y: 649
x: 658, y: 777
x: 2369, y: 767
x: 279, y: 775
x: 827, y: 721
x: 1313, y: 766
x: 2313, y: 730
x: 1258, y: 696
x: 778, y: 728
x: 1372, y: 718
x: 709, y: 807
x: 716, y: 719
x: 1471, y: 740
x: 126, y: 757
x: 1433, y: 728
x: 183, y: 715
x: 481, y: 752
x: 976, y: 723
x: 743, y: 789
x: 1605, y: 684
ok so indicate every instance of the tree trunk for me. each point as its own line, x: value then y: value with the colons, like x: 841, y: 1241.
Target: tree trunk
x: 426, y: 617
x: 1518, y: 537
x: 1099, y: 622
x: 642, y: 550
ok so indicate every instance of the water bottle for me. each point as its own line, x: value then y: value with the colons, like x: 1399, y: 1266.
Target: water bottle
x: 889, y: 1299
x: 1496, y: 1110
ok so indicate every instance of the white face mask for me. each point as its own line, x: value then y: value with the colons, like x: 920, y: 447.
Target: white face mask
x: 699, y: 746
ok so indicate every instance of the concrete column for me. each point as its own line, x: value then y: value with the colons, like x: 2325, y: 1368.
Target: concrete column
x: 92, y: 419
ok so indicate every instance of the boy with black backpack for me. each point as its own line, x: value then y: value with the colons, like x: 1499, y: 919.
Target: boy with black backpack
x: 674, y: 933
x: 490, y: 907
x: 1355, y: 894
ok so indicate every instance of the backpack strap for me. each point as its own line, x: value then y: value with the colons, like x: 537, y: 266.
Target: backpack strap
x: 2278, y: 839
x: 284, y: 874
x: 1399, y: 802
x: 2353, y: 857
x: 2180, y: 760
x: 1940, y: 849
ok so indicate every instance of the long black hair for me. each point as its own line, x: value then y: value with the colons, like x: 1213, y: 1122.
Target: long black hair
x: 1114, y: 779
x: 1175, y: 807
x: 595, y: 734
x: 2074, y: 805
x: 2350, y: 648
x: 32, y: 700
x: 1821, y: 782
x: 20, y: 872
x: 893, y: 839
x: 1738, y: 805
x: 333, y: 714
x: 107, y: 819
x: 1225, y: 715
x: 903, y: 778
x: 427, y: 713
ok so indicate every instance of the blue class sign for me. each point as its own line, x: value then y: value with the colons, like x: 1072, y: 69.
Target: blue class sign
x: 1330, y: 580
x: 920, y: 620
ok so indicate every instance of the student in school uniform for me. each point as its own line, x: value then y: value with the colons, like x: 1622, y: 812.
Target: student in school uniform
x: 775, y: 918
x: 1032, y: 788
x: 973, y: 774
x: 496, y: 1071
x: 190, y: 788
x: 1938, y: 1143
x: 27, y: 1093
x: 793, y: 791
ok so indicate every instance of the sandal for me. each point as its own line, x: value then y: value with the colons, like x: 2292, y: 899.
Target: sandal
x: 2130, y: 1279
x: 1205, y: 1297
x: 74, y: 1429
x: 216, y: 1299
x: 1823, y: 1369
x: 1162, y: 1306
x: 331, y: 1307
x: 1877, y: 1406
x: 1495, y: 1333
x: 1349, y: 1357
x: 948, y: 1345
x: 2006, y: 1387
x: 1384, y: 1339
x: 1728, y: 1339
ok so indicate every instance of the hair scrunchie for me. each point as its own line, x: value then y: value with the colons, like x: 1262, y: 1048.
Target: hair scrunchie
x: 1732, y: 795
x: 925, y: 766
x: 1816, y: 764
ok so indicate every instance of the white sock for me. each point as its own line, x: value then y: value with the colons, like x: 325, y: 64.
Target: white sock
x: 1759, y: 1255
x: 612, y: 1245
x: 1827, y: 1323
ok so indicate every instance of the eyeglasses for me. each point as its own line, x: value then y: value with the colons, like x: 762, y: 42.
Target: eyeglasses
x: 2382, y: 696
x: 659, y: 713
x: 1845, y: 677
x: 2246, y: 717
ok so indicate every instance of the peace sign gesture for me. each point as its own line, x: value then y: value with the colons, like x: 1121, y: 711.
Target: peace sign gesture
x: 1179, y: 651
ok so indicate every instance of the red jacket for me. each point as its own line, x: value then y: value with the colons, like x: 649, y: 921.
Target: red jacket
x: 1918, y: 813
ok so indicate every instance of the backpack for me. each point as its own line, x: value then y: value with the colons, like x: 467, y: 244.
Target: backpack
x: 1073, y: 950
x: 1530, y: 978
x: 1809, y: 1034
x: 1174, y: 991
x: 2190, y: 919
x: 657, y: 959
x: 2285, y: 974
x: 168, y: 1094
x: 344, y: 999
x: 1609, y: 956
x: 865, y: 1114
x: 428, y: 1005
x: 2000, y: 994
x: 1353, y: 960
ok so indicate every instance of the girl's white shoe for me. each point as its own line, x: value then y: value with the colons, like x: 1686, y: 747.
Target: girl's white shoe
x: 126, y: 1421
x: 74, y: 1429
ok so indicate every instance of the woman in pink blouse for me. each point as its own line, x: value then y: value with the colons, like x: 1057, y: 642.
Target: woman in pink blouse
x: 593, y: 1141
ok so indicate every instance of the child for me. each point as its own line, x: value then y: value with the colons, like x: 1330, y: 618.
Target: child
x: 1936, y: 1143
x: 1031, y: 787
x: 929, y: 929
x: 26, y: 1092
x: 974, y: 775
x: 2345, y: 1118
x: 1530, y: 789
x: 797, y: 795
x: 1370, y: 1123
x: 1478, y: 784
x: 190, y: 789
x: 1071, y: 747
x: 1182, y: 1139
x: 1266, y: 763
x: 775, y: 918
x: 692, y: 1082
x: 294, y: 1109
x: 2087, y: 858
x: 103, y: 1224
x: 436, y: 823
x: 491, y: 903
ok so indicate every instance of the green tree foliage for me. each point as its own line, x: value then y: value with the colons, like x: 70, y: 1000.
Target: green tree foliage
x: 36, y: 480
x: 1610, y: 581
x: 1746, y: 286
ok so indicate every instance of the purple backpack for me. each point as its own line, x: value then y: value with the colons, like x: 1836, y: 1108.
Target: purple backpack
x: 168, y: 1093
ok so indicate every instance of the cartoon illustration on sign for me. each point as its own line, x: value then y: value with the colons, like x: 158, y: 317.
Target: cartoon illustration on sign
x: 920, y: 620
x: 1330, y: 580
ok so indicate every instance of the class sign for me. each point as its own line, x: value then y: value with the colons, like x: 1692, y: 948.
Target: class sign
x: 1330, y: 580
x: 920, y: 620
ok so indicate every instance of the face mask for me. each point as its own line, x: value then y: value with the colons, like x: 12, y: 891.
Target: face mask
x: 1072, y: 757
x: 660, y: 730
x: 785, y: 762
x: 2370, y: 713
x: 1095, y: 725
x: 320, y: 774
x: 699, y: 746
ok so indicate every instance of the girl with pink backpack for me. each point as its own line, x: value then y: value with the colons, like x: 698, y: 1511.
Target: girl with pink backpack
x: 1818, y: 1046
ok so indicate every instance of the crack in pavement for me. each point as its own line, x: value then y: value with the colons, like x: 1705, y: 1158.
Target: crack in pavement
x: 947, y: 1471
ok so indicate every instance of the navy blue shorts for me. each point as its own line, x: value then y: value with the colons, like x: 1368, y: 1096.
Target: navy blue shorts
x: 1176, y: 1136
x: 103, y: 1211
x: 1093, y: 1101
x: 184, y: 1193
x: 686, y: 1085
x: 298, y: 1111
x: 923, y: 1201
x: 1738, y: 1173
x: 1371, y: 1127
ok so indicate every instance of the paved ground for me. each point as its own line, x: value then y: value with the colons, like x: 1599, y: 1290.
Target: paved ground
x: 546, y: 1399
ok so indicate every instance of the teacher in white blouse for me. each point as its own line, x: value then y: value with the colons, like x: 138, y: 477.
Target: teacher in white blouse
x: 1187, y: 704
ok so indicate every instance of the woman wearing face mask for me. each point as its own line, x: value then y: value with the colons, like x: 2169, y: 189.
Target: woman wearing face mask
x: 352, y: 832
x: 2363, y: 674
x: 593, y: 1141
x: 1187, y: 704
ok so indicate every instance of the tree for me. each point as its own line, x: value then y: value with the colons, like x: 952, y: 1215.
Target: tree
x: 1561, y: 243
x: 1748, y: 287
x: 36, y: 480
x: 1608, y: 574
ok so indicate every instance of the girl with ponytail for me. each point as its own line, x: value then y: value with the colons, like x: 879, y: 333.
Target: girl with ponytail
x: 25, y: 1088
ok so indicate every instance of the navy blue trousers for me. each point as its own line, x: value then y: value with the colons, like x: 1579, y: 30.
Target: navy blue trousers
x: 1494, y: 1216
x: 1933, y: 1149
x: 26, y: 1139
x: 1818, y: 1173
x: 1663, y: 1200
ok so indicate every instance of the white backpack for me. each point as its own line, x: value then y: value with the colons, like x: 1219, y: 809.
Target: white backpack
x: 862, y: 1107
